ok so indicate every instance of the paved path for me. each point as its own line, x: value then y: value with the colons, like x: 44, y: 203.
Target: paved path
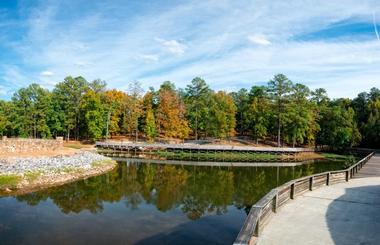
x: 343, y: 214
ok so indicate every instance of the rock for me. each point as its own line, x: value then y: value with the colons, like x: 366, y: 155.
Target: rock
x: 21, y: 165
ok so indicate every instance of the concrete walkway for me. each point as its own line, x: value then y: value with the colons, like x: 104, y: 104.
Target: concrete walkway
x: 345, y: 213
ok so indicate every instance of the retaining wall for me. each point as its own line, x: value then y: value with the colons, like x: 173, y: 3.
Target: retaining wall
x: 15, y: 145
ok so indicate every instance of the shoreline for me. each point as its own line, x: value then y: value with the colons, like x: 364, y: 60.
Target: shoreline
x: 22, y: 175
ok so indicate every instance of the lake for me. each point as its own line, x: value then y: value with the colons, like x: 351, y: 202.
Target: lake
x: 146, y: 203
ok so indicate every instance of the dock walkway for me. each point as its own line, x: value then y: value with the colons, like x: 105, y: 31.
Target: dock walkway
x: 122, y: 146
x: 345, y: 213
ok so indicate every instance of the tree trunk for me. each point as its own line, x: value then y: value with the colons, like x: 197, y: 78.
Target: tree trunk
x: 279, y: 133
x: 196, y: 123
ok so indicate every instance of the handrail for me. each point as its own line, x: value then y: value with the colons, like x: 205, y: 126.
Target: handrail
x: 262, y: 211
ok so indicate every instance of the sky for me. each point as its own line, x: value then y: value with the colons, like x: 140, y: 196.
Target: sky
x: 231, y: 44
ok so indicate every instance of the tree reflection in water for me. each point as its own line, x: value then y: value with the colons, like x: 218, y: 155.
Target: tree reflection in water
x: 195, y: 190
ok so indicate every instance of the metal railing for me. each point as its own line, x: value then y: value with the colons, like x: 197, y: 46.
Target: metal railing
x: 263, y: 210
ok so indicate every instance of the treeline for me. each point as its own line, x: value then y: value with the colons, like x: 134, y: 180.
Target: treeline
x: 282, y: 111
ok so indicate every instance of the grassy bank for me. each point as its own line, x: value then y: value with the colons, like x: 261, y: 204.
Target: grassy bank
x: 222, y: 156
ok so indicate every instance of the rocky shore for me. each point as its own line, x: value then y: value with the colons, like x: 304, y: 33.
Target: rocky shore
x: 25, y: 174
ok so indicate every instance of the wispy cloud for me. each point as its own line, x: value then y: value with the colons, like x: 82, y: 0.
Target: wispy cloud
x: 375, y: 26
x: 229, y: 43
x: 148, y: 57
x: 46, y: 73
x: 259, y: 39
x: 172, y: 46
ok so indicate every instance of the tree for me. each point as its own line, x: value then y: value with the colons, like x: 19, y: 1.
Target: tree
x: 258, y: 112
x: 300, y: 123
x: 94, y: 114
x: 221, y: 121
x: 133, y: 107
x: 371, y: 129
x: 319, y: 96
x: 31, y: 107
x: 170, y: 115
x: 5, y: 112
x: 114, y: 102
x: 150, y: 125
x: 68, y: 95
x: 279, y: 88
x: 197, y: 95
x: 338, y: 126
x: 149, y: 119
x: 242, y: 102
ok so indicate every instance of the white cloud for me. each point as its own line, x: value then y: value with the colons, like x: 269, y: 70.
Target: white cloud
x: 46, y: 73
x: 259, y: 39
x: 172, y: 46
x: 148, y: 57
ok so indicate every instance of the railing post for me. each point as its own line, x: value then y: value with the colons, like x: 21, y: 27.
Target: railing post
x: 311, y: 180
x: 328, y: 179
x: 347, y: 175
x: 257, y: 231
x: 292, y: 191
x: 275, y: 203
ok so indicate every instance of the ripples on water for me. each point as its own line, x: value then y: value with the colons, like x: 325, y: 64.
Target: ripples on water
x: 145, y: 203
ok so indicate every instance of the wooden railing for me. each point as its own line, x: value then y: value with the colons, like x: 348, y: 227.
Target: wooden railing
x: 263, y: 210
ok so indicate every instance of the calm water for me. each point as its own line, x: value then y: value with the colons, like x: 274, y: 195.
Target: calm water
x: 145, y: 203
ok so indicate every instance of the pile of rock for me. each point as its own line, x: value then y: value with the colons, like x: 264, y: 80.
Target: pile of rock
x: 20, y: 165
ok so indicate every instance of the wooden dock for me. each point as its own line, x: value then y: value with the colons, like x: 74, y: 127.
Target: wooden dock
x: 142, y: 147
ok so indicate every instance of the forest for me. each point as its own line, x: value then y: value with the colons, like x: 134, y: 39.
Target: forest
x: 282, y: 111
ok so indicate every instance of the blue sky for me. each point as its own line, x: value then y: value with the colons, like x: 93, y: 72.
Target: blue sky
x: 231, y: 44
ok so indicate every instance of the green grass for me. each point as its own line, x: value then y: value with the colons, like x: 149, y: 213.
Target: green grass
x: 70, y: 170
x: 334, y: 156
x: 96, y: 164
x: 219, y: 156
x: 32, y: 176
x: 9, y: 181
x: 347, y: 160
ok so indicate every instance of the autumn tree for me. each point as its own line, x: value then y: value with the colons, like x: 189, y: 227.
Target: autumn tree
x: 170, y: 115
x: 114, y: 102
x: 149, y: 119
x: 133, y: 109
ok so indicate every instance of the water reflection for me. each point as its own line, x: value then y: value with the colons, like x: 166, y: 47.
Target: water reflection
x: 195, y: 190
x: 145, y: 203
